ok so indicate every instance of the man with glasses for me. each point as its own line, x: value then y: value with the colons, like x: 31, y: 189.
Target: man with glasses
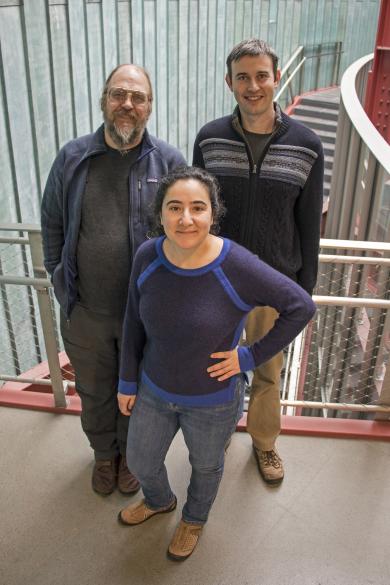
x: 270, y: 168
x: 95, y: 214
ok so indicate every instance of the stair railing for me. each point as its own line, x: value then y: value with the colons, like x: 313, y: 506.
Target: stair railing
x: 309, y: 78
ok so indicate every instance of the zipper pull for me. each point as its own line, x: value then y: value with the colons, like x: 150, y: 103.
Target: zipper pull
x: 139, y: 184
x: 254, y: 169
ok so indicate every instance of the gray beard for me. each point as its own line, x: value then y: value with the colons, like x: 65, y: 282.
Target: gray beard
x: 123, y: 138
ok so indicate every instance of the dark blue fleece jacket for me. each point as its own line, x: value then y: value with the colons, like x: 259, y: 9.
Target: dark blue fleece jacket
x: 62, y: 203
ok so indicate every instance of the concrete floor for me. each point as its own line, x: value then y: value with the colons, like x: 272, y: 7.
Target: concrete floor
x: 328, y: 524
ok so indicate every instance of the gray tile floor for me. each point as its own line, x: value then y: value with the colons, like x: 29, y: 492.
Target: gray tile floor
x: 328, y: 524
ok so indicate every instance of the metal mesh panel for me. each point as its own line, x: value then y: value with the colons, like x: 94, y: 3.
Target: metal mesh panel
x: 348, y: 346
x: 340, y: 359
x: 21, y: 341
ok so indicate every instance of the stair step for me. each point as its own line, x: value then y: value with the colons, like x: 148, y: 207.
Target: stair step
x: 328, y: 138
x: 326, y: 187
x: 316, y: 123
x: 314, y: 112
x: 328, y: 148
x: 330, y: 104
x: 328, y: 161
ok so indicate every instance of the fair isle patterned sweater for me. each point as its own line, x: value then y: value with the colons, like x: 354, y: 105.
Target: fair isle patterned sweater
x: 274, y: 207
x: 176, y: 318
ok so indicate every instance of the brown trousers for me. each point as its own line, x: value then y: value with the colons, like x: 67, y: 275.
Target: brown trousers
x: 263, y: 422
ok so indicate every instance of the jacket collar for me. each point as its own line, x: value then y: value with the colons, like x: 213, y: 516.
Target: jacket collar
x: 97, y: 144
x: 281, y: 121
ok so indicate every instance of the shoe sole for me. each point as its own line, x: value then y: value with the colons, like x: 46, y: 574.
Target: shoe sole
x: 103, y: 493
x: 124, y: 523
x: 270, y: 482
x: 130, y: 493
x: 178, y: 558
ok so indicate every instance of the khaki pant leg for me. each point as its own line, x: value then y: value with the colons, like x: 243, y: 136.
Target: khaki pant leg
x: 263, y: 422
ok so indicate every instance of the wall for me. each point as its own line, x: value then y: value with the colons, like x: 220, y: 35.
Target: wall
x: 55, y: 55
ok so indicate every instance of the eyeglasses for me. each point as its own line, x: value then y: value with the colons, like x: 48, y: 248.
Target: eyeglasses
x: 119, y: 95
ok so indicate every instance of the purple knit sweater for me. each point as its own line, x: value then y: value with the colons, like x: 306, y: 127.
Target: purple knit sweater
x: 175, y: 318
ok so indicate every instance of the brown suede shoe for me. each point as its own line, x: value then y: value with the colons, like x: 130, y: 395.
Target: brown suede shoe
x: 270, y: 466
x: 139, y: 512
x: 104, y: 476
x: 184, y: 541
x: 127, y: 483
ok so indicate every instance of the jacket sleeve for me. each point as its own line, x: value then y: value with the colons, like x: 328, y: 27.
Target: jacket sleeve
x: 308, y: 213
x: 265, y: 286
x: 52, y: 215
x: 176, y: 161
x: 133, y: 335
x: 197, y: 157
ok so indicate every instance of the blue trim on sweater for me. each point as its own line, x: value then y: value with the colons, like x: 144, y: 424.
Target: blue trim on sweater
x: 128, y: 388
x: 238, y: 332
x: 191, y: 271
x: 220, y: 397
x: 245, y: 359
x: 151, y: 268
x: 219, y: 273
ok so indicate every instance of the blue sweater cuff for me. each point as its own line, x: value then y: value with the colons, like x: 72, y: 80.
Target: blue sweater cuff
x: 245, y: 358
x: 129, y: 388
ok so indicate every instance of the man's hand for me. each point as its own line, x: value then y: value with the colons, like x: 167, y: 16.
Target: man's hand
x: 228, y: 367
x: 126, y: 403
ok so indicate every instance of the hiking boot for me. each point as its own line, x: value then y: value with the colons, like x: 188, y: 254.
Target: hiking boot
x: 270, y: 466
x: 139, y: 512
x: 104, y: 476
x: 184, y: 541
x: 127, y: 483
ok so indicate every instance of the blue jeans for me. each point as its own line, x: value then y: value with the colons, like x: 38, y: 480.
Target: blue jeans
x: 153, y: 426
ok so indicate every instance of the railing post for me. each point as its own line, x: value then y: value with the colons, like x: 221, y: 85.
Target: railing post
x: 336, y: 67
x: 45, y: 311
x: 384, y: 398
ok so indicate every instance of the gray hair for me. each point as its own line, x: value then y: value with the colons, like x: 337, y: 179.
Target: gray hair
x: 103, y: 98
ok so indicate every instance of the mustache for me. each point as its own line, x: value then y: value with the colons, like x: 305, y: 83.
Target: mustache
x: 125, y: 114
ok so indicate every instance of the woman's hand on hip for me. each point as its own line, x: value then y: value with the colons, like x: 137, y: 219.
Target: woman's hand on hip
x: 228, y: 367
x: 126, y: 403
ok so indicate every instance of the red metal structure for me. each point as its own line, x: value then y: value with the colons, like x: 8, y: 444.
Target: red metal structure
x: 377, y: 104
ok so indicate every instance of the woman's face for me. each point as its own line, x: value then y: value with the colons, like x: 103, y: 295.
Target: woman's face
x: 186, y: 213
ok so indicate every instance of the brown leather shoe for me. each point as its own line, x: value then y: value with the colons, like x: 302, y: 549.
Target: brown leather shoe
x: 104, y: 476
x: 270, y: 466
x: 127, y: 483
x: 139, y: 512
x: 184, y: 541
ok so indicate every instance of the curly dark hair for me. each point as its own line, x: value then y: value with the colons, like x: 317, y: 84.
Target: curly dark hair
x: 183, y: 174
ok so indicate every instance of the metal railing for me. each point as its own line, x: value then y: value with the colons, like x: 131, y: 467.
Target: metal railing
x: 360, y: 210
x: 34, y: 276
x: 304, y: 72
x: 311, y: 361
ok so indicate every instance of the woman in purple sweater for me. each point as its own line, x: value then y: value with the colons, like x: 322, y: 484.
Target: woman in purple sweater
x: 189, y: 295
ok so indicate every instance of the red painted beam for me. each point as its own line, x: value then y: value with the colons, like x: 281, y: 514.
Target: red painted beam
x: 377, y: 102
x: 36, y: 397
x: 44, y: 401
x: 339, y: 428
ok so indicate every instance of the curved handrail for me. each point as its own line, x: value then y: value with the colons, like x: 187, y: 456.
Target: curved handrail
x: 361, y: 122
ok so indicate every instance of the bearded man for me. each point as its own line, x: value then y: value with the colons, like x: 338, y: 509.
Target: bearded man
x: 95, y: 214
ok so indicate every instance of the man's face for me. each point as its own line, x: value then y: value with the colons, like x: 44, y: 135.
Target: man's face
x: 125, y: 117
x: 253, y: 84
